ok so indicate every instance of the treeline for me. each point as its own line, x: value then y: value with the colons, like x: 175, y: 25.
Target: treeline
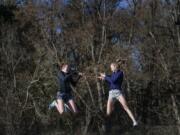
x: 36, y: 36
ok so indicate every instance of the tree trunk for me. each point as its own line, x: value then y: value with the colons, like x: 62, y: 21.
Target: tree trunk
x: 176, y: 112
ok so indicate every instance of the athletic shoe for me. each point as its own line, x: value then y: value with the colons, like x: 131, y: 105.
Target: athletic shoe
x: 52, y: 105
x: 135, y: 124
x: 66, y: 108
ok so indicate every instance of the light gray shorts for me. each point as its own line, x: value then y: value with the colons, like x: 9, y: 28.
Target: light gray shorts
x: 114, y: 94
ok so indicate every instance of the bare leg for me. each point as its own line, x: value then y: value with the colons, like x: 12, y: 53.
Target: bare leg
x: 109, y: 107
x: 109, y: 110
x: 72, y: 105
x: 123, y: 102
x: 60, y: 106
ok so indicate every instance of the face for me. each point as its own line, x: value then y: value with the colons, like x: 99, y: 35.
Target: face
x: 113, y: 67
x: 65, y: 68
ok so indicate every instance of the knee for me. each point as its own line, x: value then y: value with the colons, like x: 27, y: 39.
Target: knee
x: 76, y: 112
x: 61, y: 111
x: 108, y: 113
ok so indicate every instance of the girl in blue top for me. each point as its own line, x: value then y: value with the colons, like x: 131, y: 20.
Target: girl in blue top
x: 115, y: 93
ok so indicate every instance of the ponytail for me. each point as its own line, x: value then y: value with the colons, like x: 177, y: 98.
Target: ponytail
x: 121, y: 63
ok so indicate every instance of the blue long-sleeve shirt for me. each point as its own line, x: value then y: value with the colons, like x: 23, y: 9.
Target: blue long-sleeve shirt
x: 115, y: 80
x: 65, y: 81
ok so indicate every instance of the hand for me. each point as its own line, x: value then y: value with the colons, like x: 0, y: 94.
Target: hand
x: 101, y: 78
x: 102, y: 74
x: 80, y: 73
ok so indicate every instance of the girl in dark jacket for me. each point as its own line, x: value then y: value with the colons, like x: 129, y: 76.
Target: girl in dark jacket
x: 64, y: 95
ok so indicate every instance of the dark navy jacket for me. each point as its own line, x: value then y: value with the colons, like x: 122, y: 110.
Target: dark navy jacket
x: 115, y: 80
x: 65, y: 80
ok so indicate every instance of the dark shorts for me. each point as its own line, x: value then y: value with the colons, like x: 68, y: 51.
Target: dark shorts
x: 64, y: 96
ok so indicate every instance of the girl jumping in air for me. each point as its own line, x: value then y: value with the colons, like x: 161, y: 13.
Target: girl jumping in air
x: 64, y: 95
x: 115, y: 93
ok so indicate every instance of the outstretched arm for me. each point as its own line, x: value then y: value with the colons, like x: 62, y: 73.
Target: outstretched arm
x: 114, y: 77
x: 75, y: 80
